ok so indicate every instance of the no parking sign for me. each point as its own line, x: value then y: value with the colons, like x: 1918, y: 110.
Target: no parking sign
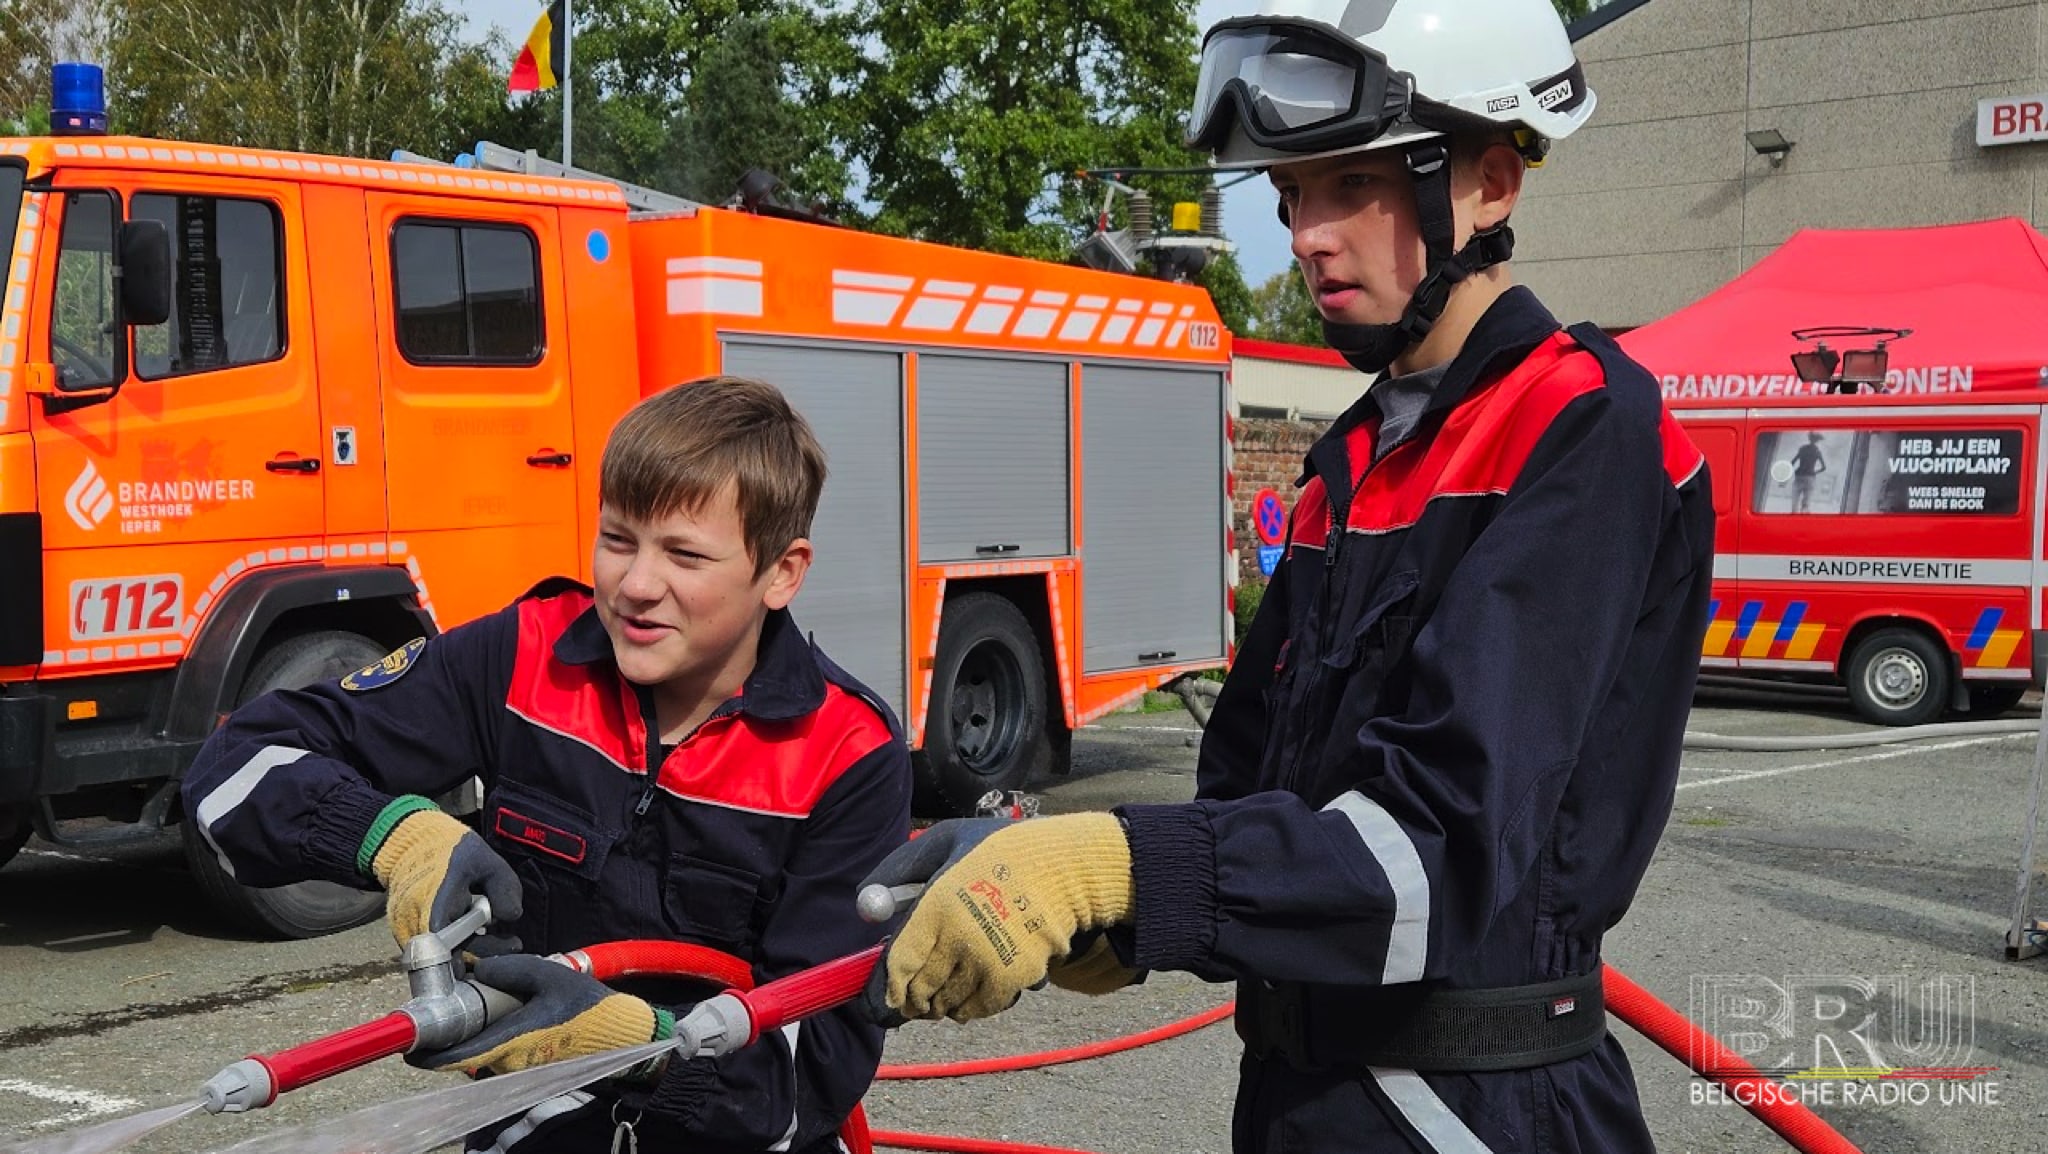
x: 1269, y: 520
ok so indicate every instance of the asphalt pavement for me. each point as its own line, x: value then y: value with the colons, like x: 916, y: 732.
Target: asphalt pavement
x: 1803, y: 904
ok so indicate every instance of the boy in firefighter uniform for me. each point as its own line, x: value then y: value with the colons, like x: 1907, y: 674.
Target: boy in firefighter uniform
x: 1448, y: 746
x: 663, y: 756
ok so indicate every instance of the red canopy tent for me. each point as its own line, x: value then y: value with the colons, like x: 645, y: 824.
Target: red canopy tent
x: 1974, y: 295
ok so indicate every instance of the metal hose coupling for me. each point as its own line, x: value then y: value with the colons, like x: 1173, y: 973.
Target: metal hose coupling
x: 447, y: 1010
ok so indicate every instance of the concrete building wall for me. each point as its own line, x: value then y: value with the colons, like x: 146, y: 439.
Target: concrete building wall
x: 1660, y: 199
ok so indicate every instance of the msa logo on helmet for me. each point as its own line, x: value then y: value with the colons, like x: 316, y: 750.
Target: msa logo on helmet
x: 1555, y: 95
x: 1503, y: 103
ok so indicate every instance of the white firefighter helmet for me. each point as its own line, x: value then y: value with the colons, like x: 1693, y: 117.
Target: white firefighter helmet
x: 1309, y: 78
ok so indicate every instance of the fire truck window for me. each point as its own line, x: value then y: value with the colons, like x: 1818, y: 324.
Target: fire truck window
x: 467, y: 294
x: 226, y: 306
x: 1940, y: 472
x: 84, y: 336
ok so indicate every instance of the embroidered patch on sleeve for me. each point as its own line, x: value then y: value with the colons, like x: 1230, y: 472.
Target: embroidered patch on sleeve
x: 386, y: 669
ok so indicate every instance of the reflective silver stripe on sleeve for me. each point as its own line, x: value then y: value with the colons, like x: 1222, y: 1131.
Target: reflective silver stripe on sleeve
x: 1408, y: 943
x: 1445, y: 1132
x: 236, y: 790
x: 789, y: 1034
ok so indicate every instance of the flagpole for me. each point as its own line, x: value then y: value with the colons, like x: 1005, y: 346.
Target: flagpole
x: 568, y: 94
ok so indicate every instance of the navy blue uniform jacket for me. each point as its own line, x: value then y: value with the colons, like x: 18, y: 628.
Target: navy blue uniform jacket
x: 1450, y: 742
x: 751, y: 837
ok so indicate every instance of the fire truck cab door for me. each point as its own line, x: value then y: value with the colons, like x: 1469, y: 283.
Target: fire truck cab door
x: 214, y: 435
x: 478, y: 425
x: 1722, y: 444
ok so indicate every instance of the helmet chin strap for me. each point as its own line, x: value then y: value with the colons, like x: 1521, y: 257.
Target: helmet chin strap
x: 1372, y: 348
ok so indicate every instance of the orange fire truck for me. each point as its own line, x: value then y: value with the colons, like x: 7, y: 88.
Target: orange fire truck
x: 1889, y: 543
x: 266, y: 416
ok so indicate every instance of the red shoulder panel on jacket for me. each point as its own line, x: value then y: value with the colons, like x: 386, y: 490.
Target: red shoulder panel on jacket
x: 1311, y: 518
x: 584, y: 703
x: 780, y: 768
x: 1484, y: 442
x: 1682, y: 458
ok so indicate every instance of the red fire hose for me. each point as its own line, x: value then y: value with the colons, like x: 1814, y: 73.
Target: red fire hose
x: 1788, y: 1117
x: 835, y: 982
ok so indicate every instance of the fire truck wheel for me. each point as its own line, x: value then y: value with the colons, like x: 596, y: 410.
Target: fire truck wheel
x: 985, y: 729
x: 1899, y: 677
x: 308, y: 909
x: 14, y: 831
x: 1989, y: 701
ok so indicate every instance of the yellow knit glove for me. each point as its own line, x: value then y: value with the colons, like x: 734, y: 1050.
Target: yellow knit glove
x: 1095, y: 971
x: 990, y: 924
x: 563, y: 1014
x: 432, y: 865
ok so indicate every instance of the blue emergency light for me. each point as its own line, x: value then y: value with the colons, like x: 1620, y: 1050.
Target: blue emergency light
x: 78, y: 100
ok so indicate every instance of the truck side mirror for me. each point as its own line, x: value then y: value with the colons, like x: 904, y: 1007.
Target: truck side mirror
x: 145, y: 273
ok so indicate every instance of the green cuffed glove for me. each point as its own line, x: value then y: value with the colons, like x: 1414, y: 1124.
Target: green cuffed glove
x: 563, y: 1014
x: 994, y: 918
x: 1092, y: 968
x: 431, y: 866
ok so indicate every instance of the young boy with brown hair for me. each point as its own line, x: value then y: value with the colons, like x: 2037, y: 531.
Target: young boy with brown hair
x: 663, y: 756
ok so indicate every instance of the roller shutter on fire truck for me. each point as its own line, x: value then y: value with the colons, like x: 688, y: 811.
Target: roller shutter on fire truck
x: 852, y: 600
x: 1146, y: 498
x: 993, y: 468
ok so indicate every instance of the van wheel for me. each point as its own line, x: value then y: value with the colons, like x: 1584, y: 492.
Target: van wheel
x: 1899, y: 677
x: 14, y: 830
x: 307, y: 909
x: 986, y: 726
x: 1988, y: 701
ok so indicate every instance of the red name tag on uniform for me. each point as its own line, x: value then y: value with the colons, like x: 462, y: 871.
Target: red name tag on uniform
x: 541, y: 836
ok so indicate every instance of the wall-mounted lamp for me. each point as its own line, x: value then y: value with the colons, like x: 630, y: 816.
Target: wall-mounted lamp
x: 1769, y: 142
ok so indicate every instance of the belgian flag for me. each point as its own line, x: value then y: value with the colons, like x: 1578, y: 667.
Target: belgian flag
x: 542, y: 54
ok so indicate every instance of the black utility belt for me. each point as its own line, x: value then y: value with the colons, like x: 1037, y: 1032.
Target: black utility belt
x: 1316, y: 1028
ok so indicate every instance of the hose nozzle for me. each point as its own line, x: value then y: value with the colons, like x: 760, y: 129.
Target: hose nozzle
x: 239, y: 1088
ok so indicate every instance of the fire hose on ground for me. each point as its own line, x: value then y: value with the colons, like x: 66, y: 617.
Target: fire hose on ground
x: 1760, y: 1094
x: 445, y: 1009
x: 1200, y: 697
x: 443, y: 1005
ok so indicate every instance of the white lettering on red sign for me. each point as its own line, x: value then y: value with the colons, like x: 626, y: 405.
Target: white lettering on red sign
x: 2011, y: 120
x: 1914, y: 380
x: 126, y: 606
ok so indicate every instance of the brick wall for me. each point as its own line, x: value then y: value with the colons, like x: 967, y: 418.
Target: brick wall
x: 1268, y: 454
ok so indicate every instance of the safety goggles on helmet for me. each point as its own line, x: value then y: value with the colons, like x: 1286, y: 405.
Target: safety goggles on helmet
x: 1293, y: 85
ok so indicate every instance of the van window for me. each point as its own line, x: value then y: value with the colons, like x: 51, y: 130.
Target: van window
x: 467, y: 293
x: 227, y: 289
x: 84, y: 336
x: 1934, y: 472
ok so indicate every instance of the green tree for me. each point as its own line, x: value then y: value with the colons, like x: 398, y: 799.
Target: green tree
x: 738, y: 114
x: 1573, y: 9
x: 684, y: 97
x: 1224, y: 279
x: 345, y: 77
x: 34, y: 34
x: 971, y: 112
x: 1282, y: 310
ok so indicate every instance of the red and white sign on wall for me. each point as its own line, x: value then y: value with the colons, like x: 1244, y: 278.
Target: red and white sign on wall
x: 2012, y: 120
